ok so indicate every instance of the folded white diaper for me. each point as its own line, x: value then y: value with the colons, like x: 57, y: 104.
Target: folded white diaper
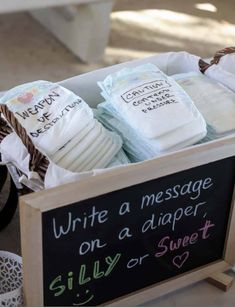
x: 139, y: 148
x: 184, y: 136
x: 151, y: 102
x: 134, y: 145
x: 215, y: 101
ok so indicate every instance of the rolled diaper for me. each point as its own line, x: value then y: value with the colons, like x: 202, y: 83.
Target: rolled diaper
x: 102, y: 158
x: 151, y: 102
x: 69, y: 146
x: 215, y: 101
x: 62, y: 126
x: 51, y: 114
x: 107, y: 144
x: 91, y: 152
x: 83, y: 147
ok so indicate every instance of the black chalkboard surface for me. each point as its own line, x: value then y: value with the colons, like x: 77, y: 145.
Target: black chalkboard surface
x: 101, y: 248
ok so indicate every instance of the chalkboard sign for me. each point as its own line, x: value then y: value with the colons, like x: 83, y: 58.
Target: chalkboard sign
x: 104, y: 247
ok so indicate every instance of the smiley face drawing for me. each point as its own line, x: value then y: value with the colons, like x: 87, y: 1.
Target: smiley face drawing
x: 88, y: 296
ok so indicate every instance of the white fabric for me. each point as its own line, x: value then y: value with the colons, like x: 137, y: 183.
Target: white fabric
x: 221, y: 75
x: 20, y: 158
x: 227, y: 62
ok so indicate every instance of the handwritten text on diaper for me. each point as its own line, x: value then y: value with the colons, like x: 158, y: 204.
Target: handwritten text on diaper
x: 150, y: 95
x: 47, y: 120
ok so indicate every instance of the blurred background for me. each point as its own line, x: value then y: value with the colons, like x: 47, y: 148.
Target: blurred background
x: 28, y: 51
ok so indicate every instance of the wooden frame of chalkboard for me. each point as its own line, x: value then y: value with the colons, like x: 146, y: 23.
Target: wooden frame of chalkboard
x: 41, y: 251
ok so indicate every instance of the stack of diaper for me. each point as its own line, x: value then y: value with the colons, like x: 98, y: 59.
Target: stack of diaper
x: 92, y: 148
x: 215, y: 101
x: 150, y: 111
x: 61, y: 125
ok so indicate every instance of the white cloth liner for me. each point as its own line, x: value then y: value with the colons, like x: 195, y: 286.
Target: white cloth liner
x: 224, y: 71
x: 219, y: 74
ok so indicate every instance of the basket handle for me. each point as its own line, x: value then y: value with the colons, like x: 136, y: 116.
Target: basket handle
x: 203, y: 66
x: 38, y: 162
x: 219, y: 54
